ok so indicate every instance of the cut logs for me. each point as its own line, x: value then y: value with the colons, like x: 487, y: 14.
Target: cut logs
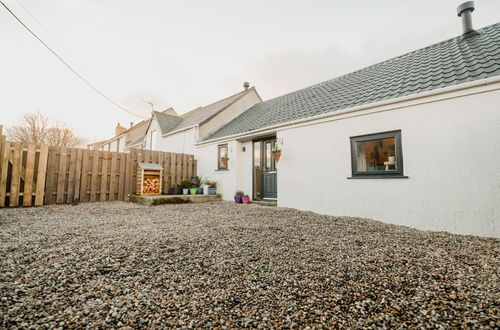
x: 149, y: 178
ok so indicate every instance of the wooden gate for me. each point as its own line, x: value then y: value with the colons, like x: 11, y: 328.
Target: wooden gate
x: 22, y: 173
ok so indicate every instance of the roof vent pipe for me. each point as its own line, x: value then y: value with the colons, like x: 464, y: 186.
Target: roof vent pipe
x: 464, y: 11
x: 246, y: 85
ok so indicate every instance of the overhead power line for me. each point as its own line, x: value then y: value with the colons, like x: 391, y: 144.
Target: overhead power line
x: 95, y: 89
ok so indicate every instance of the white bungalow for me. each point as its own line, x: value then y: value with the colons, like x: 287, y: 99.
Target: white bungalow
x: 414, y: 140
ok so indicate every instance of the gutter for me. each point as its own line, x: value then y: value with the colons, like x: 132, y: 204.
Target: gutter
x: 450, y: 89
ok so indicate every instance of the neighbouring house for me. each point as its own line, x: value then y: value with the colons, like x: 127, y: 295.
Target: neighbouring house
x: 414, y: 140
x: 167, y: 131
x: 124, y: 138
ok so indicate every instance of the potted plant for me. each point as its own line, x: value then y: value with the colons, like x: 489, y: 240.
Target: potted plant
x: 276, y: 152
x: 212, y: 187
x: 238, y: 196
x: 193, y: 190
x: 199, y: 181
x: 185, y: 185
x: 224, y: 159
x: 245, y: 199
x: 176, y: 190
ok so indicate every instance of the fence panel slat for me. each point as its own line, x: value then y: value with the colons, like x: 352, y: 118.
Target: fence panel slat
x: 161, y: 161
x: 3, y: 175
x: 121, y: 178
x: 16, y: 174
x: 167, y: 171
x: 2, y: 144
x: 104, y: 177
x: 94, y: 176
x: 189, y: 166
x: 41, y: 176
x: 61, y: 177
x: 71, y: 176
x: 49, y: 181
x: 128, y: 174
x: 84, y: 181
x: 78, y: 176
x: 112, y: 176
x: 185, y: 167
x: 29, y: 174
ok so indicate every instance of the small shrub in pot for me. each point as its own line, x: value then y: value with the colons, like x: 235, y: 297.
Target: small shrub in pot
x: 238, y: 196
x: 245, y: 199
x: 185, y: 185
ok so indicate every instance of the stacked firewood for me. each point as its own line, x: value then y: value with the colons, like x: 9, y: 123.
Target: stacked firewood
x: 151, y: 185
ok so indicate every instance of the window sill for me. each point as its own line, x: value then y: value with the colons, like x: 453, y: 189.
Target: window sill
x: 221, y: 170
x: 378, y: 177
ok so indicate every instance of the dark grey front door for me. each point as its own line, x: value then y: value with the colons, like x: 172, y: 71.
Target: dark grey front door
x: 269, y: 174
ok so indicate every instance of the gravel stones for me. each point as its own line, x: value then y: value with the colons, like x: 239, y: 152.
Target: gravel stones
x: 227, y: 265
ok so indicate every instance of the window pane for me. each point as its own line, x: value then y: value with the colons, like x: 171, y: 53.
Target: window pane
x: 222, y: 153
x: 257, y: 171
x: 268, y: 156
x: 376, y: 155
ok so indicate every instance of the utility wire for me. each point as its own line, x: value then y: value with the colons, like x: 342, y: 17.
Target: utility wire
x: 70, y: 68
x: 32, y: 16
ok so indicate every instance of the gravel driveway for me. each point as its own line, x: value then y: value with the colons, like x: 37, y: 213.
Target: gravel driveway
x: 222, y: 264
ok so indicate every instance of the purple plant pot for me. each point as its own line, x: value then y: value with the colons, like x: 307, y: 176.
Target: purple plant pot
x: 237, y: 199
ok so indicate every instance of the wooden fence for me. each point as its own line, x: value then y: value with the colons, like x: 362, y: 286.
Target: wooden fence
x: 67, y: 175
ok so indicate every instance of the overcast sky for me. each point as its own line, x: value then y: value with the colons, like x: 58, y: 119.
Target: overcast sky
x: 190, y: 53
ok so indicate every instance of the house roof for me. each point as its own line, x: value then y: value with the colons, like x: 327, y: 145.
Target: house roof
x: 137, y: 141
x: 166, y: 121
x: 199, y: 115
x: 132, y: 132
x: 451, y: 62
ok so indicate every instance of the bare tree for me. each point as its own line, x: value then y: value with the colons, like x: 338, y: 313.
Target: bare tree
x: 32, y: 128
x: 60, y: 135
x: 36, y: 128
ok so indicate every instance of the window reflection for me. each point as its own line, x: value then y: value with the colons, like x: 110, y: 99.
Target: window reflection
x: 376, y: 155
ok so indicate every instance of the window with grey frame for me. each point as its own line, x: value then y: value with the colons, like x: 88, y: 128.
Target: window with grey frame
x: 377, y: 155
x: 222, y: 153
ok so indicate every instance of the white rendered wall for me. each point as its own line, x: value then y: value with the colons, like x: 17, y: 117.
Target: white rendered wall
x: 451, y: 153
x: 238, y: 176
x: 181, y: 142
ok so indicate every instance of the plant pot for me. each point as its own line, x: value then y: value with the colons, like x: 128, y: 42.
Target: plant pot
x: 245, y: 200
x: 193, y: 191
x: 237, y: 199
x: 185, y: 191
x: 277, y: 155
x: 176, y: 191
x: 224, y: 161
x: 200, y: 191
x: 205, y: 189
x: 212, y: 191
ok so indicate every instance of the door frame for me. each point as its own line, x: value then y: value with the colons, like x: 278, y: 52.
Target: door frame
x: 262, y: 141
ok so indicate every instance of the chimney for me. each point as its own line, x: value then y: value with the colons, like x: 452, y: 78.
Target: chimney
x: 119, y: 129
x: 464, y: 11
x: 246, y: 84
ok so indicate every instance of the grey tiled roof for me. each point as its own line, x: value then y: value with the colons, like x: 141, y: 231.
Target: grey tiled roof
x: 201, y: 114
x: 444, y: 64
x: 166, y: 122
